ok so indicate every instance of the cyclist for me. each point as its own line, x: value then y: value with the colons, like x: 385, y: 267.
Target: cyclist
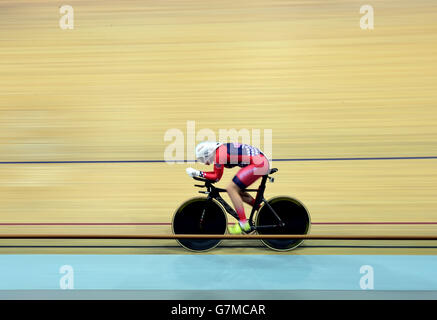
x: 253, y: 165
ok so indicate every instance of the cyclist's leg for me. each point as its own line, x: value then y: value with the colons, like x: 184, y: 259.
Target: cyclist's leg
x: 234, y: 190
x: 260, y: 167
x: 244, y: 178
x: 247, y: 198
x: 249, y: 174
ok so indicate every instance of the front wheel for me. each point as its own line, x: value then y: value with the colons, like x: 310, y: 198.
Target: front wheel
x: 199, y: 216
x: 292, y: 213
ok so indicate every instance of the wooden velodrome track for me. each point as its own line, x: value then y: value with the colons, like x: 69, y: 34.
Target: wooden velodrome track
x: 109, y: 89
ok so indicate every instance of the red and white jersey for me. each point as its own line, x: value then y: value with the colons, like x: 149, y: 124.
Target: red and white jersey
x: 230, y: 155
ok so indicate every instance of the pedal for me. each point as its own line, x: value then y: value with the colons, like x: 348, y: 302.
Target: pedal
x: 205, y: 192
x: 252, y: 229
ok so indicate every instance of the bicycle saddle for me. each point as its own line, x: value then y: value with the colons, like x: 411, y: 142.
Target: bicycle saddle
x: 273, y: 170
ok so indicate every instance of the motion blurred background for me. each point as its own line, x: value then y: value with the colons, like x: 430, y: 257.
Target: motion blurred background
x: 129, y: 71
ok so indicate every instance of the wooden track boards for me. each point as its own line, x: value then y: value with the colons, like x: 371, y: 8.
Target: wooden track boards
x: 129, y: 71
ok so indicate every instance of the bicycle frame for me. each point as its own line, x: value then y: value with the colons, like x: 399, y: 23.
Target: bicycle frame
x: 214, y: 193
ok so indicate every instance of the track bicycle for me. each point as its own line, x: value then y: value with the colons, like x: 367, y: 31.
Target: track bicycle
x: 280, y: 215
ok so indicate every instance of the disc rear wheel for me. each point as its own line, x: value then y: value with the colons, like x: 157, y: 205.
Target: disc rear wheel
x: 292, y: 213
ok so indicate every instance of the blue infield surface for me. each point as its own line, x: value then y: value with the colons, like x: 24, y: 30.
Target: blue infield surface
x: 218, y: 272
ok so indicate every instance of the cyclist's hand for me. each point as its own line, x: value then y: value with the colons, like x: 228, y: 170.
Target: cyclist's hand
x: 193, y: 172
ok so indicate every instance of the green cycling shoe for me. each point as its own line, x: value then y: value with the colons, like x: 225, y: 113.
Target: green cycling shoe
x: 238, y: 228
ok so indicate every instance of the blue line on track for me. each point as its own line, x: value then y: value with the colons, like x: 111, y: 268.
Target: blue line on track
x: 364, y: 158
x: 230, y: 247
x: 191, y: 161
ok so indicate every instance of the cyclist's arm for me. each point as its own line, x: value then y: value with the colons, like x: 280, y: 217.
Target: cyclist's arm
x: 214, y: 175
